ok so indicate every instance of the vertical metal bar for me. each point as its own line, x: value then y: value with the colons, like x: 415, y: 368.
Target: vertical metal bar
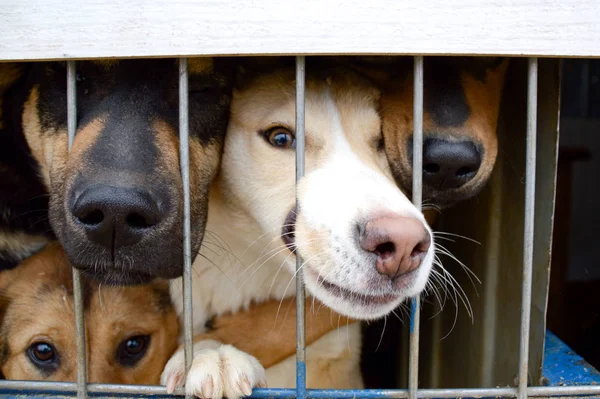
x: 300, y: 331
x: 185, y: 179
x: 529, y: 226
x: 415, y: 309
x: 77, y: 288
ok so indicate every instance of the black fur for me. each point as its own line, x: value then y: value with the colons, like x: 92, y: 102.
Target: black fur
x: 23, y: 197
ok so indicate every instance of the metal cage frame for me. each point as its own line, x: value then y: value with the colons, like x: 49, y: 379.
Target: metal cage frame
x: 301, y: 392
x: 522, y: 391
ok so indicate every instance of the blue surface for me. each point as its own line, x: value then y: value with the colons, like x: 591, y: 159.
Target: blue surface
x: 562, y: 366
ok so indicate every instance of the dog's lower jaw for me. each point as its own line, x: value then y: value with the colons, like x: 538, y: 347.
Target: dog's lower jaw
x: 365, y: 304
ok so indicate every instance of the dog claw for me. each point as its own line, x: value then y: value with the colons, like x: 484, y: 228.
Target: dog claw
x: 175, y: 381
x: 245, y: 387
x: 262, y: 384
x: 207, y: 388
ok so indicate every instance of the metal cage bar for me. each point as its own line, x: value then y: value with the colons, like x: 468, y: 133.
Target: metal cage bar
x: 77, y: 288
x: 417, y: 193
x: 185, y: 180
x: 528, y: 234
x: 25, y: 387
x: 300, y: 329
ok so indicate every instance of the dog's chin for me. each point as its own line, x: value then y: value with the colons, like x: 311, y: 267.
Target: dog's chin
x: 117, y: 277
x: 447, y: 198
x: 126, y: 270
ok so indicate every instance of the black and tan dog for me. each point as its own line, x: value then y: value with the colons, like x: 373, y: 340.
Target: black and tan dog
x: 130, y: 331
x: 116, y: 200
x: 461, y: 103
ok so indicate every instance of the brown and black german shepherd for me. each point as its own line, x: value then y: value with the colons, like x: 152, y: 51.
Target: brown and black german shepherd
x: 115, y: 202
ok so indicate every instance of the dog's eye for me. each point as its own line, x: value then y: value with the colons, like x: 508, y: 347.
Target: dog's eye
x: 280, y: 137
x: 132, y: 349
x: 44, y: 356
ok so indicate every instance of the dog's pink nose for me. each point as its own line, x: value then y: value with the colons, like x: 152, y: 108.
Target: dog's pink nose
x: 400, y: 243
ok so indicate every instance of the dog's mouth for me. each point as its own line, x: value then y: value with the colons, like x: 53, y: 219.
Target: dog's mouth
x: 357, y: 298
x: 288, y: 231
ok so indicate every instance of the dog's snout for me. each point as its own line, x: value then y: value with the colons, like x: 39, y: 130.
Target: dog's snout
x: 115, y: 216
x: 400, y: 243
x: 448, y: 164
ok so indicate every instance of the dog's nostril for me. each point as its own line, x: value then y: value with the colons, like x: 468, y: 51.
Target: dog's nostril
x: 138, y: 221
x: 398, y: 242
x: 421, y: 248
x: 431, y: 168
x: 115, y: 217
x: 464, y: 172
x: 92, y: 218
x: 385, y: 250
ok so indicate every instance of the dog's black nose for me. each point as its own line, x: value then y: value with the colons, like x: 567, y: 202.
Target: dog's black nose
x: 448, y: 164
x: 115, y: 216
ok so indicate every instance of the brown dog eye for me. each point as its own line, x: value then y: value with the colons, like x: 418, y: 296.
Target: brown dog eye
x: 132, y: 349
x: 280, y: 137
x: 44, y: 356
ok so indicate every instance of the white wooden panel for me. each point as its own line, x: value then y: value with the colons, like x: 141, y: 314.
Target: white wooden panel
x: 50, y: 29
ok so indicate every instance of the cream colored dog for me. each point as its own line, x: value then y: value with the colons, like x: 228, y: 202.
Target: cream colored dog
x: 365, y: 247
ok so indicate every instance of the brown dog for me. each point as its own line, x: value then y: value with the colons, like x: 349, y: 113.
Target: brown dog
x: 130, y: 331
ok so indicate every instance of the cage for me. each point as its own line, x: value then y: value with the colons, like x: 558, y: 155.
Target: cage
x: 512, y: 218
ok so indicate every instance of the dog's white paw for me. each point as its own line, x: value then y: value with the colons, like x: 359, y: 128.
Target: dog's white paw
x: 224, y: 372
x: 173, y: 375
x: 215, y: 373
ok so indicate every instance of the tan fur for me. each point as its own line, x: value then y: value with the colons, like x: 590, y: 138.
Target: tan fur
x: 199, y: 65
x: 270, y: 329
x: 20, y: 243
x: 33, y: 129
x: 37, y: 305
